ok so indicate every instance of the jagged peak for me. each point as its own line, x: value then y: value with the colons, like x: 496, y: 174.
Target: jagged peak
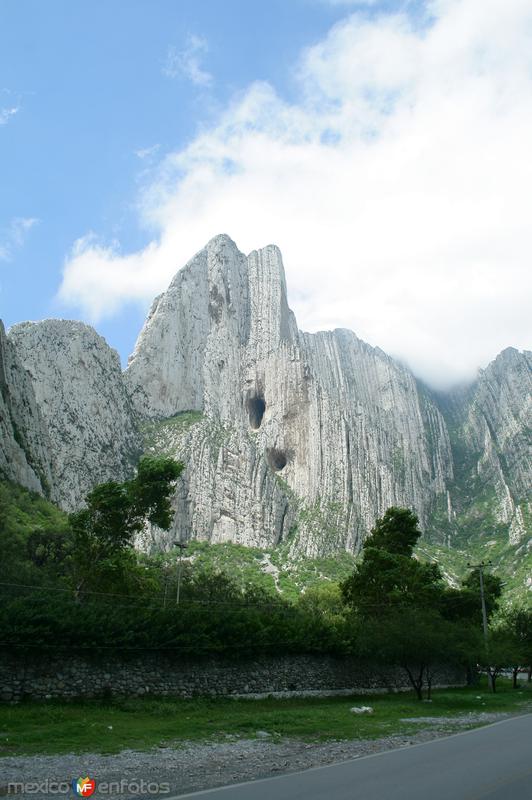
x: 507, y: 359
x: 217, y: 244
x: 512, y: 354
x: 57, y: 325
x: 66, y: 333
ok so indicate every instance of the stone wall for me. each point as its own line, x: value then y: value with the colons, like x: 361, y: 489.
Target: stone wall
x: 70, y: 676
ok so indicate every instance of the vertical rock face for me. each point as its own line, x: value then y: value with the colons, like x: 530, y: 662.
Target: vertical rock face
x: 286, y: 436
x: 24, y: 444
x: 490, y: 426
x: 306, y: 435
x: 78, y: 387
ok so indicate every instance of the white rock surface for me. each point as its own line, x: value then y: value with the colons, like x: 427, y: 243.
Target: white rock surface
x: 492, y: 421
x: 78, y: 386
x: 287, y: 436
x: 344, y: 434
x: 25, y: 449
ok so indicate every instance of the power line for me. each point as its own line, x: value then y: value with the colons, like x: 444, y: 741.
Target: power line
x: 156, y: 648
x: 158, y: 597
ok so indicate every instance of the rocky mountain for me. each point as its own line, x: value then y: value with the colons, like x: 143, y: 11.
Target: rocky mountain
x: 86, y: 424
x: 24, y: 443
x: 489, y: 425
x: 288, y: 437
x: 300, y: 435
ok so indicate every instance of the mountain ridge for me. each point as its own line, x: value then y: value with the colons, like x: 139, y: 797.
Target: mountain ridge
x: 294, y: 437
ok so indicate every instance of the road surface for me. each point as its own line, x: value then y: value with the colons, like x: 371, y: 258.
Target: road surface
x: 490, y: 763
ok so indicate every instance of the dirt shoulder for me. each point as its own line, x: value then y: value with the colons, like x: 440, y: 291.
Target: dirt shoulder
x: 191, y: 766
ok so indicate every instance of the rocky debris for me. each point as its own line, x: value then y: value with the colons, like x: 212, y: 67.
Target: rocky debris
x: 361, y: 710
x: 463, y: 720
x: 193, y: 766
x: 79, y: 389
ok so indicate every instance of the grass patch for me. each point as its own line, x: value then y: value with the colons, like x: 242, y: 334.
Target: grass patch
x: 108, y: 727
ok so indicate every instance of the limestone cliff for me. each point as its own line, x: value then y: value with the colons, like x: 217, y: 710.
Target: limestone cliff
x: 490, y: 424
x: 300, y: 435
x: 77, y: 383
x: 25, y: 450
x: 287, y: 436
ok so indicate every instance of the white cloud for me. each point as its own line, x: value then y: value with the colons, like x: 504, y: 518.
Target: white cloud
x: 14, y: 235
x: 349, y: 2
x: 187, y: 62
x: 397, y: 187
x: 147, y: 152
x: 7, y: 113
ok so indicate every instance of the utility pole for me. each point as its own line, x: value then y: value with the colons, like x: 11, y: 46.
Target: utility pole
x: 182, y: 546
x: 481, y: 567
x: 165, y: 583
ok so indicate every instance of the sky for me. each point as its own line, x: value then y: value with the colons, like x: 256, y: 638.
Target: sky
x: 383, y: 146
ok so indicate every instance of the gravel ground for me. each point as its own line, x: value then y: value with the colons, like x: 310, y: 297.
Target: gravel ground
x: 193, y: 766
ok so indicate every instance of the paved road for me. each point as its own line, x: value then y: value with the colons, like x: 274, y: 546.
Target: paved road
x: 491, y: 763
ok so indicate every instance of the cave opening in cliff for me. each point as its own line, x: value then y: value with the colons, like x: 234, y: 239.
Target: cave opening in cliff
x: 256, y: 408
x: 276, y: 459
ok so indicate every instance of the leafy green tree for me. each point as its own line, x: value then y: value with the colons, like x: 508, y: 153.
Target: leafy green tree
x: 115, y: 512
x: 518, y: 625
x: 388, y: 576
x: 502, y: 652
x: 419, y: 640
x: 326, y: 617
x: 396, y: 532
x: 403, y: 613
x: 492, y: 593
x: 30, y: 528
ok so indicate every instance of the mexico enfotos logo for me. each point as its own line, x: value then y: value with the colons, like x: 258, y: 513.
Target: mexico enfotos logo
x: 86, y: 787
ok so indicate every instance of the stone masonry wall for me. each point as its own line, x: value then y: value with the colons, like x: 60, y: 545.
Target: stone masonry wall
x: 69, y: 676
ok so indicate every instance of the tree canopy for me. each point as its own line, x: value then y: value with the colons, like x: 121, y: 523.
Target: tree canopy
x: 402, y: 607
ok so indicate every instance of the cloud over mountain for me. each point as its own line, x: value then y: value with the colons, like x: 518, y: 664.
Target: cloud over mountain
x: 396, y: 184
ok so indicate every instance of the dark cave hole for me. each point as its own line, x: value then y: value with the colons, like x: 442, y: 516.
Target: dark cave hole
x: 276, y: 459
x: 256, y: 408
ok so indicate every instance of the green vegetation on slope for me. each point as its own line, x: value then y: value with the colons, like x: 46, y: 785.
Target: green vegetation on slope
x: 274, y: 570
x: 80, y: 585
x: 157, y: 433
x: 512, y: 564
x: 21, y: 511
x: 28, y: 525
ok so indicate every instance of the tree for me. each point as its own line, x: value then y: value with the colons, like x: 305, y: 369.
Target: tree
x: 492, y: 593
x: 501, y: 653
x: 115, y: 512
x: 396, y: 532
x: 402, y: 613
x: 388, y: 576
x: 419, y: 640
x: 518, y: 625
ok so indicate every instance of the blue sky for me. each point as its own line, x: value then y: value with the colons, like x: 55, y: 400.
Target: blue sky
x: 131, y: 132
x: 89, y: 83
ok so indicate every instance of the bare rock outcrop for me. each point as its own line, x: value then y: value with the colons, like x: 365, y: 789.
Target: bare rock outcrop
x: 308, y: 436
x: 25, y: 451
x: 490, y: 423
x: 78, y: 387
x: 287, y: 436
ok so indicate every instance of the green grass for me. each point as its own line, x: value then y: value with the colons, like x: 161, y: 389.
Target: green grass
x: 108, y: 727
